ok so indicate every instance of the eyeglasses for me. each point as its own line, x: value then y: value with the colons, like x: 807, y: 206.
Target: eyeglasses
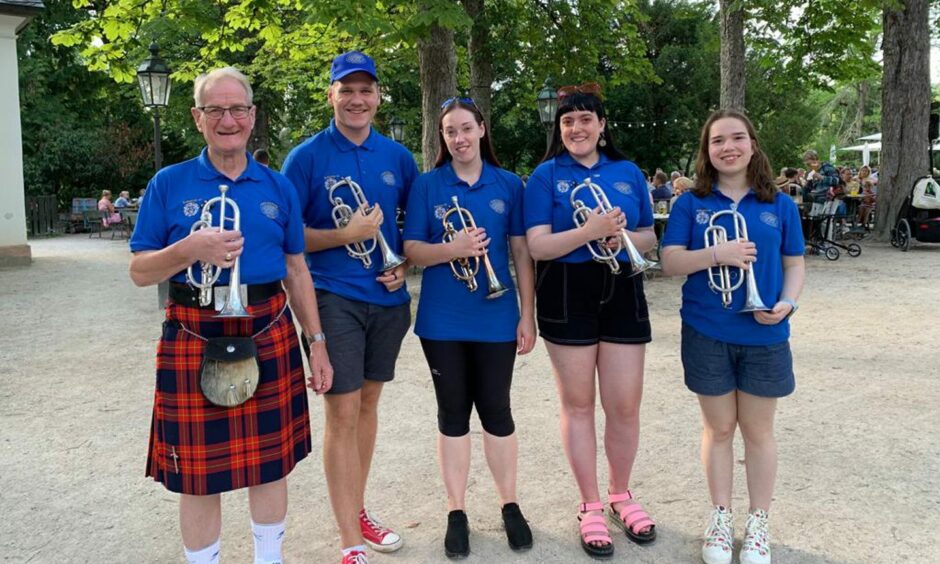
x: 217, y: 112
x: 450, y: 101
x: 590, y: 88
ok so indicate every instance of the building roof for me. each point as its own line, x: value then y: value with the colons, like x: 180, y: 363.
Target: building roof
x: 27, y: 9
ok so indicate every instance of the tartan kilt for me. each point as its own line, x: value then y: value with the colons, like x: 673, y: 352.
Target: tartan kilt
x: 199, y: 448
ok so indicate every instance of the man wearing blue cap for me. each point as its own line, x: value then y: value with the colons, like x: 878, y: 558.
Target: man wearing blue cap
x: 364, y: 306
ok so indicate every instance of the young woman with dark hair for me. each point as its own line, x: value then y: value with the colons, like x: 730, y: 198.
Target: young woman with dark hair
x: 737, y: 361
x: 471, y: 328
x: 595, y: 323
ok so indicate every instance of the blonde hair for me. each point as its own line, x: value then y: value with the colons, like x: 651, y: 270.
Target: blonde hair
x: 682, y: 183
x: 106, y: 193
x: 204, y: 81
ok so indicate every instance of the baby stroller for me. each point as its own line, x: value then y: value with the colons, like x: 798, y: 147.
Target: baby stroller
x: 919, y: 216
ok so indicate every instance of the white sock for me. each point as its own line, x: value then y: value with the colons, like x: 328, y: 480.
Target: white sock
x: 268, y: 539
x: 359, y: 547
x: 207, y: 555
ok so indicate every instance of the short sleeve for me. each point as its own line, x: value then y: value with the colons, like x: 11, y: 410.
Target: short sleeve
x: 151, y: 231
x: 294, y: 230
x: 516, y: 221
x: 793, y: 243
x: 646, y: 207
x: 297, y: 170
x: 679, y: 228
x: 417, y: 223
x: 538, y: 199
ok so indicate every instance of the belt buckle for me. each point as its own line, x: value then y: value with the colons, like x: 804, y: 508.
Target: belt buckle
x: 220, y: 295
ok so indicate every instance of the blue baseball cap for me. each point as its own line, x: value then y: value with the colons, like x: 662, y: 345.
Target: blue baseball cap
x: 350, y: 62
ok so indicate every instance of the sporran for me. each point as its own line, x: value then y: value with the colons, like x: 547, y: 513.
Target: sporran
x: 230, y: 370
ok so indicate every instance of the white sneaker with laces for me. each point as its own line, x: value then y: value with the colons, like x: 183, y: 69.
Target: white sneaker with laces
x: 756, y: 547
x: 717, y: 547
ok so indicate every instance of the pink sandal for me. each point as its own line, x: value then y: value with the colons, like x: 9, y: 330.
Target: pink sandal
x: 593, y: 528
x: 631, y: 518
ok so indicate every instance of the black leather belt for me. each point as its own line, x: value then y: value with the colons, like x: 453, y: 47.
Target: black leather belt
x: 186, y: 295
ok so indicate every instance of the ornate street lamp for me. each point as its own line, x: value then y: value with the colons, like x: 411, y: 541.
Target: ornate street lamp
x: 548, y: 105
x: 153, y: 76
x: 397, y: 129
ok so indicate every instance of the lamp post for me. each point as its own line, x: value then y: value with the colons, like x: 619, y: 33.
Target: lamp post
x: 396, y: 129
x: 548, y: 106
x: 153, y: 76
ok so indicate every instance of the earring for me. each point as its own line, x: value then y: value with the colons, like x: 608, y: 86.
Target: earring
x: 602, y: 142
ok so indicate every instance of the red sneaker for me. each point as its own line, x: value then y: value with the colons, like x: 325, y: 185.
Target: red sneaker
x: 355, y: 557
x: 376, y: 535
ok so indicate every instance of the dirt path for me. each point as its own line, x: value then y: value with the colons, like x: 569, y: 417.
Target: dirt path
x: 859, y: 477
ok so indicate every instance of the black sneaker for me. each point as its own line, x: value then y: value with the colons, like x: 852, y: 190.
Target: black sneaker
x: 518, y: 532
x: 457, y: 539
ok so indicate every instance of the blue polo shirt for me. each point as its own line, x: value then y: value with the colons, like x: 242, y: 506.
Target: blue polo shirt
x: 547, y: 196
x: 447, y: 311
x: 775, y: 229
x: 270, y: 215
x: 384, y: 170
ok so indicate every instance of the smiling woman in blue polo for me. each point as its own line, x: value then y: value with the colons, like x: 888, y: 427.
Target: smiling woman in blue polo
x: 736, y: 359
x: 594, y: 320
x: 471, y: 328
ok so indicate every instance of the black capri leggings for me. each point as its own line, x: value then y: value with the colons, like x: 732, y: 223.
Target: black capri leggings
x: 468, y: 373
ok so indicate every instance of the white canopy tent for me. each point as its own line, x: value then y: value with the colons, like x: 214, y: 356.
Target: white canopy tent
x: 873, y: 145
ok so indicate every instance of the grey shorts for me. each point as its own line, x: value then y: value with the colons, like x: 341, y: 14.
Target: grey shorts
x: 362, y: 339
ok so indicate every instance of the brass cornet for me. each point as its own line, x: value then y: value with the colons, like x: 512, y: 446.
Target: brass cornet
x: 342, y: 214
x: 719, y: 278
x: 233, y: 306
x: 461, y: 267
x: 603, y: 253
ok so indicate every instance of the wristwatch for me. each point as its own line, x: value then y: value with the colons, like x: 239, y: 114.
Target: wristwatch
x: 793, y: 305
x: 316, y: 338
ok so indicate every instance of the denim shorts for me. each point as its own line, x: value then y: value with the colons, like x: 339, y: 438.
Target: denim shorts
x: 362, y: 339
x: 714, y: 368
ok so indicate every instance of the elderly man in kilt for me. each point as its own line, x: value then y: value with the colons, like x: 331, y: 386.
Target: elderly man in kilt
x: 204, y: 442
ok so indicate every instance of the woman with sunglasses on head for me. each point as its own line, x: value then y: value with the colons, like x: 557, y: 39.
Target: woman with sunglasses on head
x: 595, y: 323
x: 736, y: 359
x: 464, y: 218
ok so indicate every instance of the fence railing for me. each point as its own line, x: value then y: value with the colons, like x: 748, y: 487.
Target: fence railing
x: 42, y: 217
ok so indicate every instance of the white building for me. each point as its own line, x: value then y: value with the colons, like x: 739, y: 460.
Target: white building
x: 14, y: 15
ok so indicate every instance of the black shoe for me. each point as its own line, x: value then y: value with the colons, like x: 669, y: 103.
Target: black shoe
x: 457, y: 540
x: 517, y: 528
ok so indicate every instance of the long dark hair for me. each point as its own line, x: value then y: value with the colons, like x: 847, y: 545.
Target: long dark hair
x: 486, y: 147
x: 760, y: 176
x: 578, y: 102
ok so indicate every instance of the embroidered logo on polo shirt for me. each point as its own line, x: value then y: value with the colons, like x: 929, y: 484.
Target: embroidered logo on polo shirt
x: 440, y: 210
x: 269, y: 209
x: 623, y: 188
x: 770, y: 219
x: 498, y: 206
x: 355, y: 58
x: 702, y: 216
x: 329, y: 181
x: 563, y: 186
x: 388, y: 177
x: 191, y: 208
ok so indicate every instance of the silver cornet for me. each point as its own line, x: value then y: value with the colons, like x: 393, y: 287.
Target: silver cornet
x: 603, y: 253
x: 719, y: 278
x: 342, y: 214
x: 233, y: 306
x: 461, y: 267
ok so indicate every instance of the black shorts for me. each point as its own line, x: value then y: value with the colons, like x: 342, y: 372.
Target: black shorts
x: 583, y: 303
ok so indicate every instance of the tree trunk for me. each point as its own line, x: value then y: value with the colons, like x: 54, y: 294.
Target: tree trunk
x: 437, y: 59
x: 732, y: 56
x: 261, y: 135
x: 905, y: 109
x: 481, y: 57
x: 862, y: 90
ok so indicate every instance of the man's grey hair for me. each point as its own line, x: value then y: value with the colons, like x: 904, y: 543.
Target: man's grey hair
x: 811, y: 155
x: 204, y: 81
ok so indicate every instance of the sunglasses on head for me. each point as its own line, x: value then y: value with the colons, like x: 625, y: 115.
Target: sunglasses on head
x: 450, y: 101
x: 590, y: 88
